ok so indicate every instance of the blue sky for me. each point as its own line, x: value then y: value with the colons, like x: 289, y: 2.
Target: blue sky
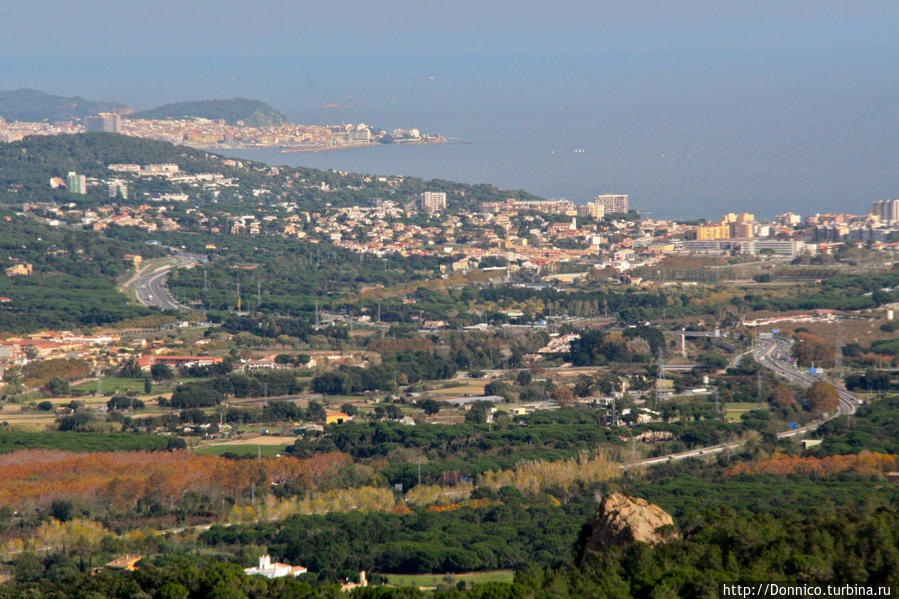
x: 422, y: 27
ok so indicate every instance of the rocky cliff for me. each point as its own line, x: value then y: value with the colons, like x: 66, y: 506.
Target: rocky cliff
x: 622, y: 520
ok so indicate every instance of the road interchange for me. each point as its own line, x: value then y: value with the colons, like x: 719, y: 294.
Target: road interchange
x: 772, y: 353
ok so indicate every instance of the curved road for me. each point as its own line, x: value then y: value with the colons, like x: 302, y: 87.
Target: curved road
x: 149, y: 285
x: 774, y: 355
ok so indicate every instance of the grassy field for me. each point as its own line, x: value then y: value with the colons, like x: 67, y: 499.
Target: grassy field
x: 432, y: 580
x: 267, y: 451
x: 111, y: 384
x: 734, y: 409
x: 744, y: 405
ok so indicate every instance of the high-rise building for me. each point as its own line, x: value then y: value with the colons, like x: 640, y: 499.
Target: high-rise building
x: 432, y: 201
x: 614, y: 203
x: 118, y: 188
x: 76, y: 183
x: 743, y: 230
x: 105, y: 122
x: 887, y: 211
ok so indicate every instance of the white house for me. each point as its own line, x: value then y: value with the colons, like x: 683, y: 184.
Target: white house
x: 274, y: 570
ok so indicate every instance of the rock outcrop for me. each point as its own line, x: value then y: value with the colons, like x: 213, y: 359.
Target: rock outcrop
x: 622, y: 520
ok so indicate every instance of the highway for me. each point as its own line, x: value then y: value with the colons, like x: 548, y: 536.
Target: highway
x: 774, y: 355
x: 149, y: 284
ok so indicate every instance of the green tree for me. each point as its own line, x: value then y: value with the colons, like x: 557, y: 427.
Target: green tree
x: 161, y: 372
x: 430, y: 406
x: 316, y: 411
x: 56, y: 387
x: 477, y: 413
x: 524, y: 378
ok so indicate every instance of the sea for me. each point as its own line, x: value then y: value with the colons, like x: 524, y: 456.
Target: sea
x: 686, y: 134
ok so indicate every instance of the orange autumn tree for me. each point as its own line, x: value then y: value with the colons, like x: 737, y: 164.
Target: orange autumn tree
x: 865, y: 464
x: 35, y: 478
x: 782, y: 397
x: 822, y: 397
x: 810, y: 349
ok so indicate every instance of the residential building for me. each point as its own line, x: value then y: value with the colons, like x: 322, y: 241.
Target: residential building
x: 147, y: 362
x: 788, y: 219
x: 105, y: 122
x: 126, y: 562
x: 23, y: 269
x: 614, y: 203
x: 886, y: 211
x: 781, y: 247
x: 271, y: 569
x: 76, y: 183
x: 597, y: 209
x: 743, y: 229
x: 337, y: 418
x: 433, y: 201
x: 118, y: 188
x: 710, y: 232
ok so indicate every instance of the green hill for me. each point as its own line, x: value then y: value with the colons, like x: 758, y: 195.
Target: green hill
x: 34, y: 105
x: 26, y: 165
x: 252, y: 113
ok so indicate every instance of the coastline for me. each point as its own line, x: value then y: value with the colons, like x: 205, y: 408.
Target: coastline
x: 327, y: 148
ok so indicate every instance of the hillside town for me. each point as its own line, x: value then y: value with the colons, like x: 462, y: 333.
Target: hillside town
x: 529, y: 234
x: 206, y: 133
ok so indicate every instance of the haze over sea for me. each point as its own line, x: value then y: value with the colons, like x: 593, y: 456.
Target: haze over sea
x: 686, y: 133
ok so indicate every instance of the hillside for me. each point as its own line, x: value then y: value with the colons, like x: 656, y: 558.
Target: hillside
x: 26, y: 165
x: 252, y: 113
x: 34, y: 105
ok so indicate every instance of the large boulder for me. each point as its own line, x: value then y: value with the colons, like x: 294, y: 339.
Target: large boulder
x: 622, y: 520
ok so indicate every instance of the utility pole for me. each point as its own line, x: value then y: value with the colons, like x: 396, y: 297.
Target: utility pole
x: 758, y: 378
x: 838, y: 350
x: 205, y: 284
x: 258, y: 294
x: 661, y: 365
x: 317, y: 321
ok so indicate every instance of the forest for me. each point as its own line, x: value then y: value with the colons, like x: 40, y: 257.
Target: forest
x: 850, y: 536
x: 73, y: 283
